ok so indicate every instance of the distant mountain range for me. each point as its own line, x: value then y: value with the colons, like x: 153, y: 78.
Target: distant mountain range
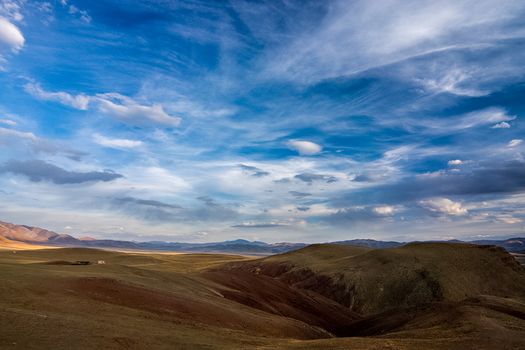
x: 38, y: 236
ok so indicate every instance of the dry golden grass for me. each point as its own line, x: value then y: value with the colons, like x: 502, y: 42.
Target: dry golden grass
x: 7, y: 244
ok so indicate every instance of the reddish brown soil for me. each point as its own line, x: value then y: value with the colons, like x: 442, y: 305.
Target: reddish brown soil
x: 271, y: 295
x: 190, y: 309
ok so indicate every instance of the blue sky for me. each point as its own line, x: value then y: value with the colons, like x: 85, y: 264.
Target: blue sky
x: 277, y: 121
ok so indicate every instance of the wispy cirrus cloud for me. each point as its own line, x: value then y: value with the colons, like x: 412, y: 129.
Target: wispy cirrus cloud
x: 362, y: 35
x: 12, y: 9
x: 453, y: 82
x: 82, y: 14
x: 473, y: 119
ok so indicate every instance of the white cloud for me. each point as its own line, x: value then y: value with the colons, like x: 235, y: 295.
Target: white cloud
x: 19, y: 134
x: 116, y: 143
x: 455, y: 162
x: 114, y: 104
x: 127, y: 109
x: 8, y: 122
x: 80, y: 101
x: 305, y: 148
x: 384, y: 210
x: 514, y: 143
x: 502, y: 125
x: 443, y: 206
x: 10, y: 36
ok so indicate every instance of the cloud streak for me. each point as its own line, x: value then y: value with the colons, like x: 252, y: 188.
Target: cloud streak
x: 38, y: 170
x: 116, y: 143
x: 128, y: 110
x: 113, y: 104
x: 79, y: 101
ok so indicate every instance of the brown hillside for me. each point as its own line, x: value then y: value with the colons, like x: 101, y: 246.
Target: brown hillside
x: 370, y: 281
x: 25, y: 233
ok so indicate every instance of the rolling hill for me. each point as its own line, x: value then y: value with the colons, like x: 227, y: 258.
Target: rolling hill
x: 417, y: 296
x: 375, y: 280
